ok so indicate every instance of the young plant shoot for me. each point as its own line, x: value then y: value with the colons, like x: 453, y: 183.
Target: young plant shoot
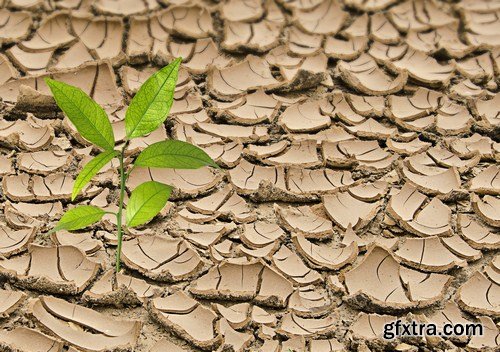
x: 147, y: 111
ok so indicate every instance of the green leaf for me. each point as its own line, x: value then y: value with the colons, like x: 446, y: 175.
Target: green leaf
x: 79, y: 217
x: 91, y: 169
x: 175, y: 155
x: 88, y: 117
x: 151, y: 105
x: 146, y: 201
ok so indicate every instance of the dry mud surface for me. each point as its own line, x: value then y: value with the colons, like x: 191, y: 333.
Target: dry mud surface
x: 359, y: 149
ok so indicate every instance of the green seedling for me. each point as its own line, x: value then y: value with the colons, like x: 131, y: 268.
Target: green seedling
x: 147, y: 111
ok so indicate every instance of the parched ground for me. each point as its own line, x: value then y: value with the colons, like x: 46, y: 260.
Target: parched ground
x: 359, y: 149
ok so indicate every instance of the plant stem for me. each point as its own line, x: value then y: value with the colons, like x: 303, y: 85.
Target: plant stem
x: 120, y: 208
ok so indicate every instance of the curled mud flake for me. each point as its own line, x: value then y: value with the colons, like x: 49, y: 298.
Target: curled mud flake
x: 424, y: 68
x: 476, y: 234
x: 461, y: 248
x: 58, y: 186
x: 421, y: 104
x: 16, y: 187
x: 6, y: 166
x: 340, y: 107
x: 30, y: 62
x: 186, y: 183
x: 344, y: 209
x: 250, y: 179
x: 246, y: 11
x: 449, y: 314
x: 10, y: 301
x: 326, y: 18
x: 265, y: 252
x: 488, y: 209
x: 165, y: 345
x: 453, y: 119
x: 479, y: 295
x: 28, y: 340
x: 293, y: 326
x: 303, y: 44
x: 301, y: 154
x: 7, y: 70
x: 260, y: 234
x: 192, y: 22
x: 102, y: 36
x: 370, y: 326
x: 225, y: 203
x: 205, y: 56
x: 489, y: 339
x: 120, y: 289
x: 13, y: 242
x: 445, y: 158
x: 372, y: 129
x: 433, y: 219
x: 358, y: 28
x: 424, y: 164
x: 306, y: 183
x: 133, y: 79
x: 141, y: 38
x: 476, y: 68
x: 349, y: 237
x: 124, y: 7
x: 438, y: 184
x: 261, y: 36
x: 377, y: 278
x: 419, y: 15
x: 195, y: 217
x: 332, y: 134
x: 487, y: 111
x: 330, y: 345
x: 275, y: 289
x: 370, y: 5
x: 236, y: 315
x: 382, y: 30
x: 467, y: 90
x: 425, y: 288
x: 67, y: 321
x: 52, y: 34
x: 26, y: 135
x: 233, y: 340
x: 162, y: 258
x: 369, y: 191
x: 364, y: 75
x: 366, y: 105
x: 186, y: 133
x: 57, y: 269
x: 304, y: 221
x: 43, y: 162
x: 443, y: 39
x: 300, y: 4
x: 231, y: 281
x: 28, y: 215
x: 233, y: 81
x: 481, y: 28
x: 325, y: 257
x: 414, y: 146
x: 235, y: 133
x: 256, y: 108
x: 479, y: 6
x: 304, y: 117
x: 75, y: 56
x: 261, y: 316
x: 83, y: 241
x: 290, y: 265
x: 14, y: 26
x: 428, y: 254
x: 487, y: 181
